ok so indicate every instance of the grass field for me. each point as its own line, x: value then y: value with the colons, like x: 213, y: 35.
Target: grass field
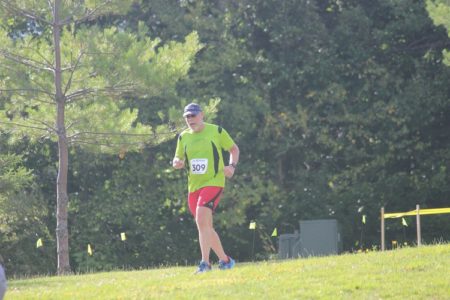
x: 408, y: 273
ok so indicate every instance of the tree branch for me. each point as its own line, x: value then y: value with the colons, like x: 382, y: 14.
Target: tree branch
x: 69, y: 82
x: 69, y: 126
x: 112, y: 90
x: 114, y: 134
x: 25, y: 61
x: 22, y: 125
x: 30, y: 91
x: 101, y: 138
x: 97, y: 143
x: 79, y: 94
x: 50, y: 5
x: 92, y: 13
x: 22, y: 12
x: 25, y: 90
x: 50, y: 95
x: 40, y: 89
x: 49, y: 63
x: 49, y: 127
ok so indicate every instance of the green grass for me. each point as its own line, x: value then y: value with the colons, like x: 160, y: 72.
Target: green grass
x: 408, y: 273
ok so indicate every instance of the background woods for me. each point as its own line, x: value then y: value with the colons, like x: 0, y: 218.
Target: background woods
x: 338, y: 107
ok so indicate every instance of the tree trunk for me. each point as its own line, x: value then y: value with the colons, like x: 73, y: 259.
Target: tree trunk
x: 62, y: 199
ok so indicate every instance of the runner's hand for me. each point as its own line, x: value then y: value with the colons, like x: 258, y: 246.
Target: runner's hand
x: 177, y: 163
x: 229, y: 171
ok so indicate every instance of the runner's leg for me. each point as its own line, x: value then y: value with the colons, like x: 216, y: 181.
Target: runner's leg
x: 216, y: 245
x: 204, y: 224
x: 207, y: 200
x: 208, y: 237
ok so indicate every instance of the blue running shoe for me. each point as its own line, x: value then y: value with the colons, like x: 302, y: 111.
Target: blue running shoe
x: 224, y: 266
x: 203, y: 267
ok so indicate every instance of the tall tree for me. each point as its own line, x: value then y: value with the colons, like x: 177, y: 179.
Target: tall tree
x: 67, y: 80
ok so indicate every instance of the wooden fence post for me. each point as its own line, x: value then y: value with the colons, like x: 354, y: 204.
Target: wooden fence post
x: 382, y: 229
x: 419, y: 234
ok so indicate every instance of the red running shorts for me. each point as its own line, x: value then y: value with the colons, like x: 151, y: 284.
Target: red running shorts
x: 208, y: 196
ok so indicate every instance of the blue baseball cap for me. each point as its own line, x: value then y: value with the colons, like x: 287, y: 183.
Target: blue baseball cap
x: 192, y: 109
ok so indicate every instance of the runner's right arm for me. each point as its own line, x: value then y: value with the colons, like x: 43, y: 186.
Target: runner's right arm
x: 178, y: 162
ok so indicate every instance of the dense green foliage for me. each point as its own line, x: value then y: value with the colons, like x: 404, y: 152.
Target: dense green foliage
x: 338, y: 107
x: 439, y: 11
x: 22, y: 214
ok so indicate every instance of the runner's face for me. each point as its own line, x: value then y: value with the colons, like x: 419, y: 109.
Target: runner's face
x: 195, y: 122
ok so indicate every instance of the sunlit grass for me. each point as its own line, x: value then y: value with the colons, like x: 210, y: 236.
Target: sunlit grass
x: 407, y: 273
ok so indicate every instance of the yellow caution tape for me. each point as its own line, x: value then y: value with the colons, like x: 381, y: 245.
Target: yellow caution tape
x: 427, y: 211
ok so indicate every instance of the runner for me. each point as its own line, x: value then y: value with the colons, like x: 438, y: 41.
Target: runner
x: 199, y: 149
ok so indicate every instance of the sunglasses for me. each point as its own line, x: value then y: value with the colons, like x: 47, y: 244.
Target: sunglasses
x: 190, y: 116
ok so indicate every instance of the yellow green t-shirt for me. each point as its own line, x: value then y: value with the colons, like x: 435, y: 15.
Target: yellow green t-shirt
x: 202, y: 154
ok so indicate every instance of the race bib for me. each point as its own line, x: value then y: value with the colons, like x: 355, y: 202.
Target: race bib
x: 199, y: 165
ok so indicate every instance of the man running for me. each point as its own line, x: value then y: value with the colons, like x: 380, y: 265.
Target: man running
x: 199, y: 149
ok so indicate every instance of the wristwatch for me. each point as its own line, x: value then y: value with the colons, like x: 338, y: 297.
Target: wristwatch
x: 233, y: 165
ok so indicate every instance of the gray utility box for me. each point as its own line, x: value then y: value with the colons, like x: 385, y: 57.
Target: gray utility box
x: 289, y: 245
x: 320, y: 237
x: 316, y: 238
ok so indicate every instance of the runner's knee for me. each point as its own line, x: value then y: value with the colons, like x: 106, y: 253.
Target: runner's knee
x: 203, y: 218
